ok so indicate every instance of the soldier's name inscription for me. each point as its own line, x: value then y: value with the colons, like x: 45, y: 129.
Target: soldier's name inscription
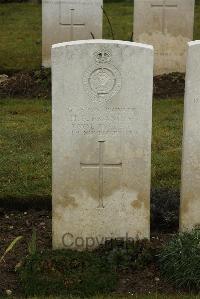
x: 109, y: 121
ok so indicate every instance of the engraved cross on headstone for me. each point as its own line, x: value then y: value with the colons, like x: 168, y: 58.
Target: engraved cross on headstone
x: 164, y: 7
x: 101, y: 165
x: 73, y: 25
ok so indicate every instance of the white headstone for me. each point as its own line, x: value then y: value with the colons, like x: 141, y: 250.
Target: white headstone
x: 168, y: 26
x: 102, y: 123
x: 190, y: 194
x: 69, y: 20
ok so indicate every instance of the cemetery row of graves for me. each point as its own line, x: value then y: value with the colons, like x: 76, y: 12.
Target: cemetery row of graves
x: 99, y: 179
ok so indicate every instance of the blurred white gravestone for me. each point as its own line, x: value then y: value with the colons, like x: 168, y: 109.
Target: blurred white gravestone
x: 190, y: 193
x: 102, y: 123
x: 69, y: 20
x: 168, y: 26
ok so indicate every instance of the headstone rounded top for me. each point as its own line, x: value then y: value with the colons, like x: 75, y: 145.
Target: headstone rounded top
x: 103, y: 41
x: 194, y: 43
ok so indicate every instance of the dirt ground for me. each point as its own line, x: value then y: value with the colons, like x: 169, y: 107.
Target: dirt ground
x: 38, y: 84
x: 13, y: 224
x: 20, y: 223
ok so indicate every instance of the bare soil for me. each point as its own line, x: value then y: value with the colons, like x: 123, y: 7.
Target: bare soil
x: 20, y: 223
x: 38, y: 84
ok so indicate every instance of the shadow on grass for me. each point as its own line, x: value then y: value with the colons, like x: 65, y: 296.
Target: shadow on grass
x: 26, y: 203
x: 164, y: 207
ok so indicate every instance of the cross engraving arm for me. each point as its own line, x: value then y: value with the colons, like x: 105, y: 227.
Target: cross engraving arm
x: 101, y: 165
x: 73, y: 25
x: 164, y: 7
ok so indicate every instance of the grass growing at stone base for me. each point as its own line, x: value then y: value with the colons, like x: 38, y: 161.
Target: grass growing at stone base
x: 21, y: 31
x: 180, y: 260
x: 87, y: 273
x: 84, y: 274
x: 66, y: 272
x: 25, y: 147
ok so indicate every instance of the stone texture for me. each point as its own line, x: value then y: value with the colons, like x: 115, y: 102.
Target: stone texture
x: 102, y: 123
x: 68, y: 20
x: 168, y: 26
x: 190, y: 195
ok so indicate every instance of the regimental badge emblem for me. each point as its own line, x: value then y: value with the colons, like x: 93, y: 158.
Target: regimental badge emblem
x: 102, y: 80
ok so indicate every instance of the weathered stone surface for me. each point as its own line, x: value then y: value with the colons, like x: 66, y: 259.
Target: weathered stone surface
x: 102, y: 122
x: 168, y: 26
x: 190, y: 195
x: 69, y: 20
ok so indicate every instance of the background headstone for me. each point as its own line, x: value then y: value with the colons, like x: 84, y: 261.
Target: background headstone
x: 68, y: 20
x: 168, y: 26
x: 190, y: 194
x: 102, y: 123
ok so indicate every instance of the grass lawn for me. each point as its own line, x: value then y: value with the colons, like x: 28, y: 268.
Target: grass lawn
x: 25, y: 124
x: 20, y: 34
x: 167, y: 143
x: 25, y: 147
